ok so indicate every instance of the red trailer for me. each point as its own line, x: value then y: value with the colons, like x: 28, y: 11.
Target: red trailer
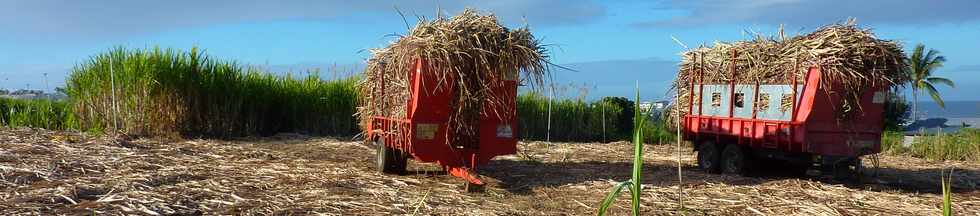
x: 732, y: 124
x: 423, y: 134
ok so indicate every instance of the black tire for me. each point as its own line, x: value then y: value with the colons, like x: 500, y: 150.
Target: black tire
x: 474, y: 188
x: 401, y: 160
x: 850, y: 170
x: 734, y: 160
x: 390, y: 160
x: 709, y: 157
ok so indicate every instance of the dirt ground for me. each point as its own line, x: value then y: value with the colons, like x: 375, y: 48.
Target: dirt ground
x: 45, y: 173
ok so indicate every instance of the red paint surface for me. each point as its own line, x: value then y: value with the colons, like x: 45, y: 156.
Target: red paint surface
x: 430, y: 104
x: 814, y: 128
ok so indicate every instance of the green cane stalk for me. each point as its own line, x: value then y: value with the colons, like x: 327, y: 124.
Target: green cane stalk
x: 634, y: 183
x: 947, y: 193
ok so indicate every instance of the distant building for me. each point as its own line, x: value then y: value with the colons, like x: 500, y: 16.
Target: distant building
x: 654, y: 106
x: 31, y: 94
x: 645, y: 106
x: 27, y: 92
x: 660, y: 105
x: 19, y: 96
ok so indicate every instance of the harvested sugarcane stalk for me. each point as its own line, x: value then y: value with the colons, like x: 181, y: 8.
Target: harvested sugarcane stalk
x: 469, y: 52
x: 847, y: 54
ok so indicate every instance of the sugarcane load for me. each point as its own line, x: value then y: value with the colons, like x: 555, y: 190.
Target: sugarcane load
x: 813, y: 97
x: 446, y: 93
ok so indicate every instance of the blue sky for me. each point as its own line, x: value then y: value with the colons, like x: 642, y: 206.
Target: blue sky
x: 611, y: 44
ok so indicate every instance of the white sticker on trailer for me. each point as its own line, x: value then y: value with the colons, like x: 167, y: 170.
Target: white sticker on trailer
x: 879, y: 97
x: 505, y: 131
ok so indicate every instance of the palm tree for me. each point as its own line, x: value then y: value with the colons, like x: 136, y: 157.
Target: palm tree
x: 920, y: 68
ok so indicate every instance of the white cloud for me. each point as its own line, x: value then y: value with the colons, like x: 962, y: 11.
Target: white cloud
x: 125, y: 17
x: 814, y: 13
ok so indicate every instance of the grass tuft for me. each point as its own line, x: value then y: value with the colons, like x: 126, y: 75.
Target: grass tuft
x: 963, y: 145
x: 947, y: 193
x: 170, y: 92
x: 633, y: 184
x: 37, y: 113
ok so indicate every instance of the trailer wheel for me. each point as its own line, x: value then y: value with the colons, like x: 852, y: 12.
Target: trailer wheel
x: 734, y: 160
x: 850, y: 170
x: 389, y: 160
x: 709, y: 157
x: 474, y: 188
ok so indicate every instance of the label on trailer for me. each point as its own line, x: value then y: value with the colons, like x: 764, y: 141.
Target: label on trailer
x: 505, y: 131
x: 426, y: 131
x: 879, y: 97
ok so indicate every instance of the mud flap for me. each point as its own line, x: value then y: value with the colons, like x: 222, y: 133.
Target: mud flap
x: 473, y: 181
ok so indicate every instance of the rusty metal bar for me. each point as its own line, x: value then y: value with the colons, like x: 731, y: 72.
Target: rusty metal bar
x: 700, y: 85
x: 690, y: 102
x: 796, y: 69
x: 731, y: 86
x: 731, y: 91
x: 755, y: 102
x: 700, y: 92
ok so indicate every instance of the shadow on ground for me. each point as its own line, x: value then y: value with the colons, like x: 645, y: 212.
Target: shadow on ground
x: 522, y: 176
x: 924, y: 180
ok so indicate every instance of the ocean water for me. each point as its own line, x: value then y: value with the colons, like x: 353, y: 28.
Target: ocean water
x: 955, y: 114
x: 954, y: 109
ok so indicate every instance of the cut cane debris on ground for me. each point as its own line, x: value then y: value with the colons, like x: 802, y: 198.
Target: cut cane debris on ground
x: 50, y: 172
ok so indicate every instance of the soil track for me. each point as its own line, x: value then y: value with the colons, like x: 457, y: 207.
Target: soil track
x: 44, y: 172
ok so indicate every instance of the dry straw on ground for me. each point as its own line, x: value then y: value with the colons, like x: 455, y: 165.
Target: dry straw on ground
x: 55, y: 173
x: 469, y: 53
x: 848, y: 55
